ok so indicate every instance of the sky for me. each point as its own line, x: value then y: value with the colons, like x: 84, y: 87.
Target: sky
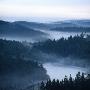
x: 44, y: 10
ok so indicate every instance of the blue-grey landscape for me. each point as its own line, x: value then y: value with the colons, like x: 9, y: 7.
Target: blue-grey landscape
x: 44, y: 45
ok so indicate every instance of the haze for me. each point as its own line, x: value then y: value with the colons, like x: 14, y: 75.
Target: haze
x: 44, y: 10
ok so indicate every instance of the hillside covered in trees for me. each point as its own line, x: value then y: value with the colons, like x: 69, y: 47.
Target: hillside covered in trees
x: 19, y: 66
x: 77, y: 46
x: 15, y: 71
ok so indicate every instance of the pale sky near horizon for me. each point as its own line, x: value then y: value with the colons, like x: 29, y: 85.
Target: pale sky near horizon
x: 45, y: 9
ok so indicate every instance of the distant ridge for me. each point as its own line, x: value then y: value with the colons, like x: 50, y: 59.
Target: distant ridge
x: 19, y: 29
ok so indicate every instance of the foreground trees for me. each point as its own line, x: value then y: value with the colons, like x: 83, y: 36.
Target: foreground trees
x: 16, y: 71
x: 81, y: 82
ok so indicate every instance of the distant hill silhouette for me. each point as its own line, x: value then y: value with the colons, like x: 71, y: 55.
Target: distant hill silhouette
x: 16, y: 29
x: 33, y: 30
x: 72, y: 29
x: 34, y: 25
x: 72, y: 26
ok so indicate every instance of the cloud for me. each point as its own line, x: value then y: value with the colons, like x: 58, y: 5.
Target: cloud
x: 50, y: 9
x: 44, y: 11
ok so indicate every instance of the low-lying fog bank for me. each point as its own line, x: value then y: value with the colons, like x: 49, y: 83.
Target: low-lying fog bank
x: 57, y: 71
x: 67, y: 61
x: 48, y: 34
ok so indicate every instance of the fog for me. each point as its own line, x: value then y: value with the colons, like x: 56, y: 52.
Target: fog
x: 28, y: 39
x: 57, y: 67
x: 59, y: 34
x: 48, y: 34
x: 56, y: 71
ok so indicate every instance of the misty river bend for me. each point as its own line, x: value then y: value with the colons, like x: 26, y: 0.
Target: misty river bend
x: 56, y: 71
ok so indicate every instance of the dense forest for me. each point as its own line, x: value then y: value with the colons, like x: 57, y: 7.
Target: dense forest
x: 81, y: 82
x: 15, y: 71
x: 17, y: 61
x: 77, y: 46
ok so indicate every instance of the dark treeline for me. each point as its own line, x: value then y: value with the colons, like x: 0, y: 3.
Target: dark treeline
x: 11, y: 48
x: 12, y: 55
x: 77, y: 46
x: 14, y: 65
x: 81, y: 82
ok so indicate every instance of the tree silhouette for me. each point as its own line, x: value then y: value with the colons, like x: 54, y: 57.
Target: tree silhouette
x: 81, y: 82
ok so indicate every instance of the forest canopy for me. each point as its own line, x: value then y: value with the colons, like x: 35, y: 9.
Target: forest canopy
x: 76, y: 46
